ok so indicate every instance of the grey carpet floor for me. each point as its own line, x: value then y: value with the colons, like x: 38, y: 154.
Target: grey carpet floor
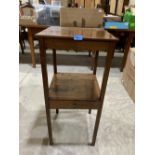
x: 116, y: 130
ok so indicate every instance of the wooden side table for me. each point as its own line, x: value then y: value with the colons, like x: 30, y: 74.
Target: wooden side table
x: 32, y: 30
x: 74, y: 91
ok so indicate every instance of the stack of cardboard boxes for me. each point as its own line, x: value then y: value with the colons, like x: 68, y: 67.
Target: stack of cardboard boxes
x: 129, y: 74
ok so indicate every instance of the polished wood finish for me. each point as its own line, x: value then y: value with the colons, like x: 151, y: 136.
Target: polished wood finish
x: 63, y: 43
x: 74, y: 87
x: 68, y: 33
x: 75, y: 91
x: 73, y: 104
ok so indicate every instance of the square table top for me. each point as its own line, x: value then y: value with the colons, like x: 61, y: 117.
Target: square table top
x: 70, y: 32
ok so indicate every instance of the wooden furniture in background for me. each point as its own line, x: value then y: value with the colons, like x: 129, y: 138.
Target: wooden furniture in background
x: 117, y: 6
x: 91, y: 4
x: 21, y: 40
x: 104, y: 4
x: 32, y: 30
x: 26, y: 18
x: 74, y: 91
x: 128, y: 35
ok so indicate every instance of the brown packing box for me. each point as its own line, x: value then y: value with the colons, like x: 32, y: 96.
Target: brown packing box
x: 27, y: 20
x: 81, y: 17
x: 27, y: 16
x: 80, y: 3
x: 129, y: 74
x: 64, y: 3
x: 89, y: 4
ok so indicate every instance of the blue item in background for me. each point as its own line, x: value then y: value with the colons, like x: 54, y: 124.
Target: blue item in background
x: 116, y: 25
x: 78, y: 37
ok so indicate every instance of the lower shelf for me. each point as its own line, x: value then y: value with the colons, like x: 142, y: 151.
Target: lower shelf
x: 68, y: 86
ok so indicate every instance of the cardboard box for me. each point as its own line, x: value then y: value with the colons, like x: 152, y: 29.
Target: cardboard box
x: 27, y: 20
x: 64, y: 3
x: 89, y: 4
x: 81, y: 17
x: 80, y: 3
x: 129, y: 74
